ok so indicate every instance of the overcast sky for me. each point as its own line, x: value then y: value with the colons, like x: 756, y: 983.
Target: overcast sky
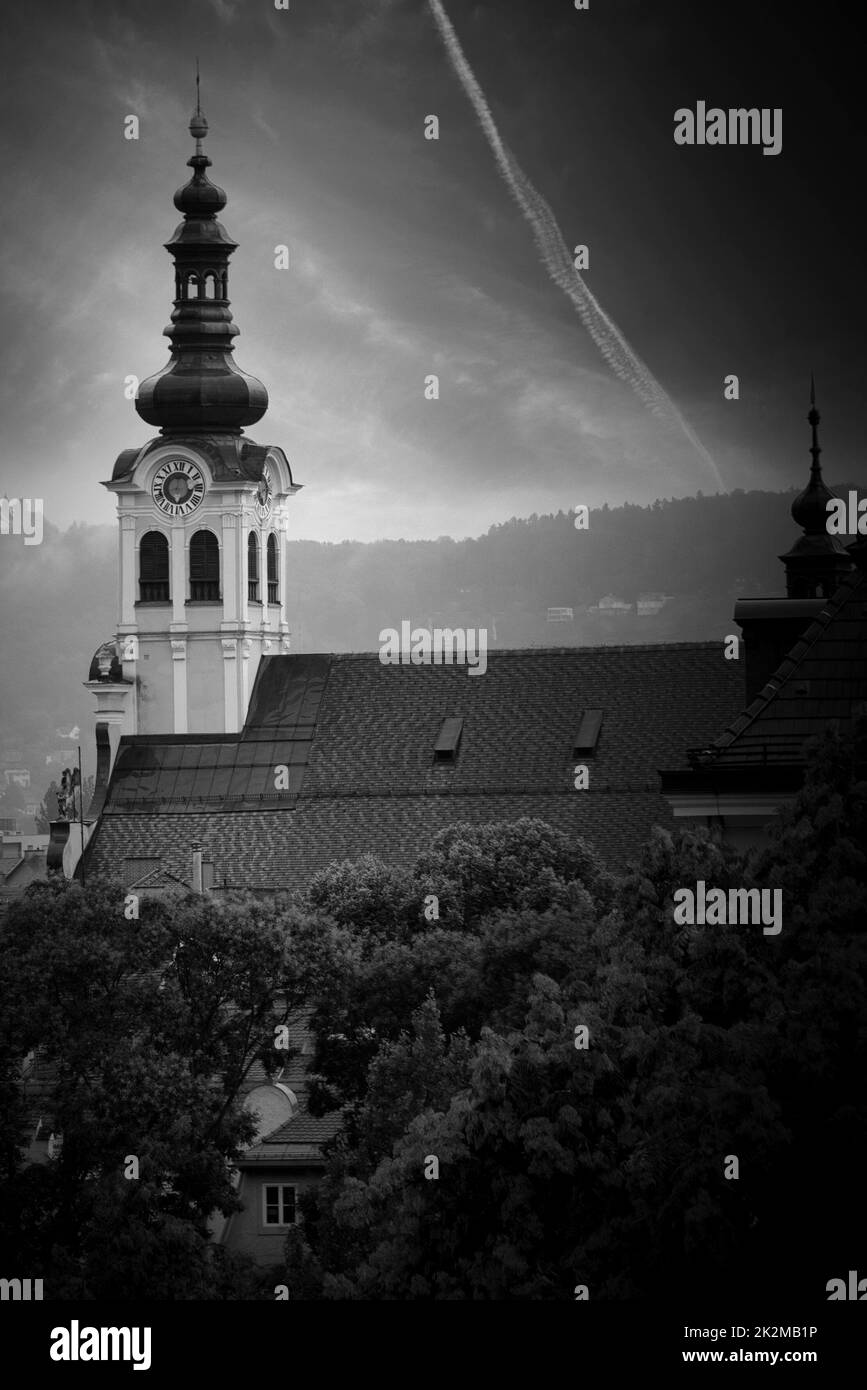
x: 409, y: 256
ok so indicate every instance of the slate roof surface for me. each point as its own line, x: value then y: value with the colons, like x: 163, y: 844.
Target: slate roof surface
x: 358, y: 738
x: 821, y: 684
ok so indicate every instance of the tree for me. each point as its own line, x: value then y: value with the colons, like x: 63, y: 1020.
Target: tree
x: 510, y: 898
x: 48, y: 809
x: 610, y: 1164
x: 149, y: 1027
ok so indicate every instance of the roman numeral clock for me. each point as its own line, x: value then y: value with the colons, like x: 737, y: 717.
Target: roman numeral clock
x: 178, y: 487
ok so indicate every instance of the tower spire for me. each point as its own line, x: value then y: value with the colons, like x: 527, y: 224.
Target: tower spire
x: 201, y: 389
x: 817, y: 562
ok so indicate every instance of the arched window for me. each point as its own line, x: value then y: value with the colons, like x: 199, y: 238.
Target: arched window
x: 192, y: 285
x: 210, y: 285
x: 204, y: 568
x: 153, y: 571
x: 252, y: 567
x: 273, y: 589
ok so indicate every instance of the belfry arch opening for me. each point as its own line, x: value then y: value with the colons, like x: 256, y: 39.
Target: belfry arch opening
x: 154, y: 568
x: 253, y: 567
x: 204, y: 568
x: 273, y: 572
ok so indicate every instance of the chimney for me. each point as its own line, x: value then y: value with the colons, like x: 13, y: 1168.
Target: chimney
x: 197, y: 869
x: 771, y: 627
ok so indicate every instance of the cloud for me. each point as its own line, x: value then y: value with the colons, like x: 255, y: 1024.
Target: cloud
x: 225, y: 10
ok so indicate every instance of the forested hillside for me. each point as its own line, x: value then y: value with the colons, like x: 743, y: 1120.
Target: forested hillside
x: 59, y: 598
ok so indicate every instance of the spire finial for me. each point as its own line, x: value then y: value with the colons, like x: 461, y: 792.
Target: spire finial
x: 198, y: 125
x: 814, y: 417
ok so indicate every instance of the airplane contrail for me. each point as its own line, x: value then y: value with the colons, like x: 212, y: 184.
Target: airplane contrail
x: 624, y: 362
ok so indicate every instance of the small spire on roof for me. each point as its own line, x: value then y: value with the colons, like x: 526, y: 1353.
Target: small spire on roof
x: 817, y: 563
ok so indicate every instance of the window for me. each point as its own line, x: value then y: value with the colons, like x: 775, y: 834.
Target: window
x: 278, y: 1205
x: 273, y: 588
x: 210, y: 286
x: 204, y: 568
x: 154, y: 568
x: 588, y: 732
x: 252, y: 567
x: 446, y: 746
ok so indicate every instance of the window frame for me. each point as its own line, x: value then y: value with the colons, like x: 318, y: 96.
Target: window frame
x: 281, y: 1188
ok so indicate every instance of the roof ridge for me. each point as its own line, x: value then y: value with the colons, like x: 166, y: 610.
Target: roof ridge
x: 706, y: 645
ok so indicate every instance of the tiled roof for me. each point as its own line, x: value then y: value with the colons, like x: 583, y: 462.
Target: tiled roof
x: 283, y: 1156
x: 821, y: 684
x: 300, y: 1137
x: 367, y: 779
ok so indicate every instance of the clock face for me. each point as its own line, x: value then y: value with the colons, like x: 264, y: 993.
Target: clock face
x: 178, y: 487
x: 264, y: 494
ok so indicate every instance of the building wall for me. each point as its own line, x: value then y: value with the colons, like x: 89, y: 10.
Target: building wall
x: 246, y: 1231
x: 205, y: 687
x: 154, y: 672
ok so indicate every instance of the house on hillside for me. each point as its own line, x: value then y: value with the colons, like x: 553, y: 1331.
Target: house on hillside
x: 610, y: 606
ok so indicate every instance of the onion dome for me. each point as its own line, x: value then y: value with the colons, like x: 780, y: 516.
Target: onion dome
x: 201, y: 390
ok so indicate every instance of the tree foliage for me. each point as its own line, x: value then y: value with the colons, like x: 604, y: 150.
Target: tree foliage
x: 145, y: 1029
x: 606, y: 1165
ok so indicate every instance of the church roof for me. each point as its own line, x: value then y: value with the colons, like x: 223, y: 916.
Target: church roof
x: 357, y: 741
x: 821, y: 684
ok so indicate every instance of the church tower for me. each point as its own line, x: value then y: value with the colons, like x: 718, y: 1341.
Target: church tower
x: 203, y: 511
x: 815, y: 567
x: 817, y: 563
